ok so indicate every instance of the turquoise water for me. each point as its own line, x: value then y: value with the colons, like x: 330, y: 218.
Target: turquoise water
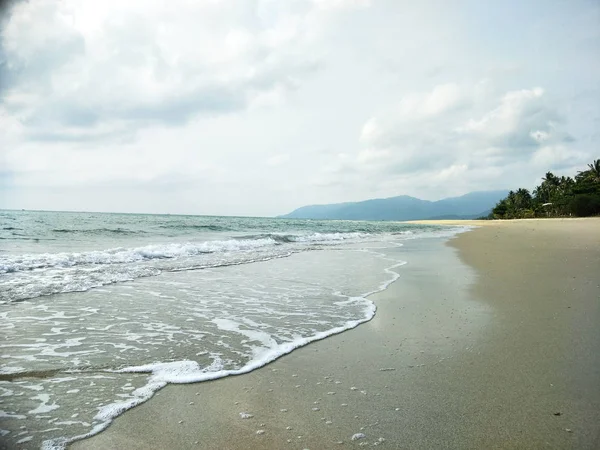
x: 99, y: 311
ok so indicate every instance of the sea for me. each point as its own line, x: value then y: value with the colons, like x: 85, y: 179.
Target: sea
x: 99, y: 311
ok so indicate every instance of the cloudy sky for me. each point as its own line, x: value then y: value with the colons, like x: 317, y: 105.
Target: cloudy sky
x: 257, y: 107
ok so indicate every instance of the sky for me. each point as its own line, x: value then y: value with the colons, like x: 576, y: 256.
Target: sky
x: 258, y: 107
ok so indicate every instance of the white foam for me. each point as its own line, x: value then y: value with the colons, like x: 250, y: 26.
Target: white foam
x: 120, y: 255
x: 5, y: 415
x: 331, y: 237
x: 33, y: 387
x: 43, y: 407
x: 62, y: 442
x: 34, y: 275
x: 260, y: 336
x: 186, y: 371
x: 7, y: 370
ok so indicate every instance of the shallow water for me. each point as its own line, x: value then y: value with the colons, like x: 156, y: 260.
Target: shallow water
x: 72, y: 361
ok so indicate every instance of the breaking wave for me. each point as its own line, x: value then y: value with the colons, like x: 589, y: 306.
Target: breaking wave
x: 36, y: 274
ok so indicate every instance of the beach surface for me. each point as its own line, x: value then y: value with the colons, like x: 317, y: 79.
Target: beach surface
x: 490, y: 341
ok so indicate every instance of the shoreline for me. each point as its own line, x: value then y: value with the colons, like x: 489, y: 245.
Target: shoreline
x: 455, y: 371
x: 500, y: 222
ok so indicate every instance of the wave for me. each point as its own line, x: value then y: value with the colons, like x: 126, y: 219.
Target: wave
x: 97, y: 231
x: 306, y: 238
x: 20, y: 237
x: 78, y: 280
x: 120, y: 255
x: 196, y: 227
x: 35, y: 275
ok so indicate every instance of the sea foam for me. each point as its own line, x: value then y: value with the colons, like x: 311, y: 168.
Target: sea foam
x: 37, y: 274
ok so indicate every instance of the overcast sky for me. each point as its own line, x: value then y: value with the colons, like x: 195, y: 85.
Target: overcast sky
x: 257, y: 107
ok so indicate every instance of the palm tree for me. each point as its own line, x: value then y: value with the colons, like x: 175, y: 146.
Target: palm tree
x: 545, y: 192
x: 522, y: 199
x: 500, y: 210
x: 595, y: 170
x: 592, y: 174
x: 565, y: 185
x: 541, y: 194
x: 551, y: 179
x: 511, y: 204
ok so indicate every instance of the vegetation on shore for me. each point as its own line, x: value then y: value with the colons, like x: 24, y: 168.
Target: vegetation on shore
x: 555, y: 197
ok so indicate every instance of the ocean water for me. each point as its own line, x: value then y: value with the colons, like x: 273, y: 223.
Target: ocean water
x: 100, y: 311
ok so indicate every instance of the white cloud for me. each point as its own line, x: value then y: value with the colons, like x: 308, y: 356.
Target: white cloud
x: 333, y: 4
x: 442, y: 98
x: 417, y: 106
x: 521, y: 116
x: 278, y: 160
x: 557, y: 156
x: 427, y: 136
x: 89, y: 70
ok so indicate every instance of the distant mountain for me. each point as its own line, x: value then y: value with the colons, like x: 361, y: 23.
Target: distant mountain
x: 468, y: 206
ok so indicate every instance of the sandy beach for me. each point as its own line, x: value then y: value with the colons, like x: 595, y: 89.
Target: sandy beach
x: 490, y: 341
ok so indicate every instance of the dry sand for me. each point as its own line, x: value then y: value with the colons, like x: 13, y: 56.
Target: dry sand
x: 500, y: 351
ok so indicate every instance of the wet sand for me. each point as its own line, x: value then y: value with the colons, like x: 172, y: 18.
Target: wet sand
x: 491, y: 341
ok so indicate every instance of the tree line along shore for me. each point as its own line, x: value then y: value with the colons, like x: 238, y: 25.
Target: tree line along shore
x: 554, y: 197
